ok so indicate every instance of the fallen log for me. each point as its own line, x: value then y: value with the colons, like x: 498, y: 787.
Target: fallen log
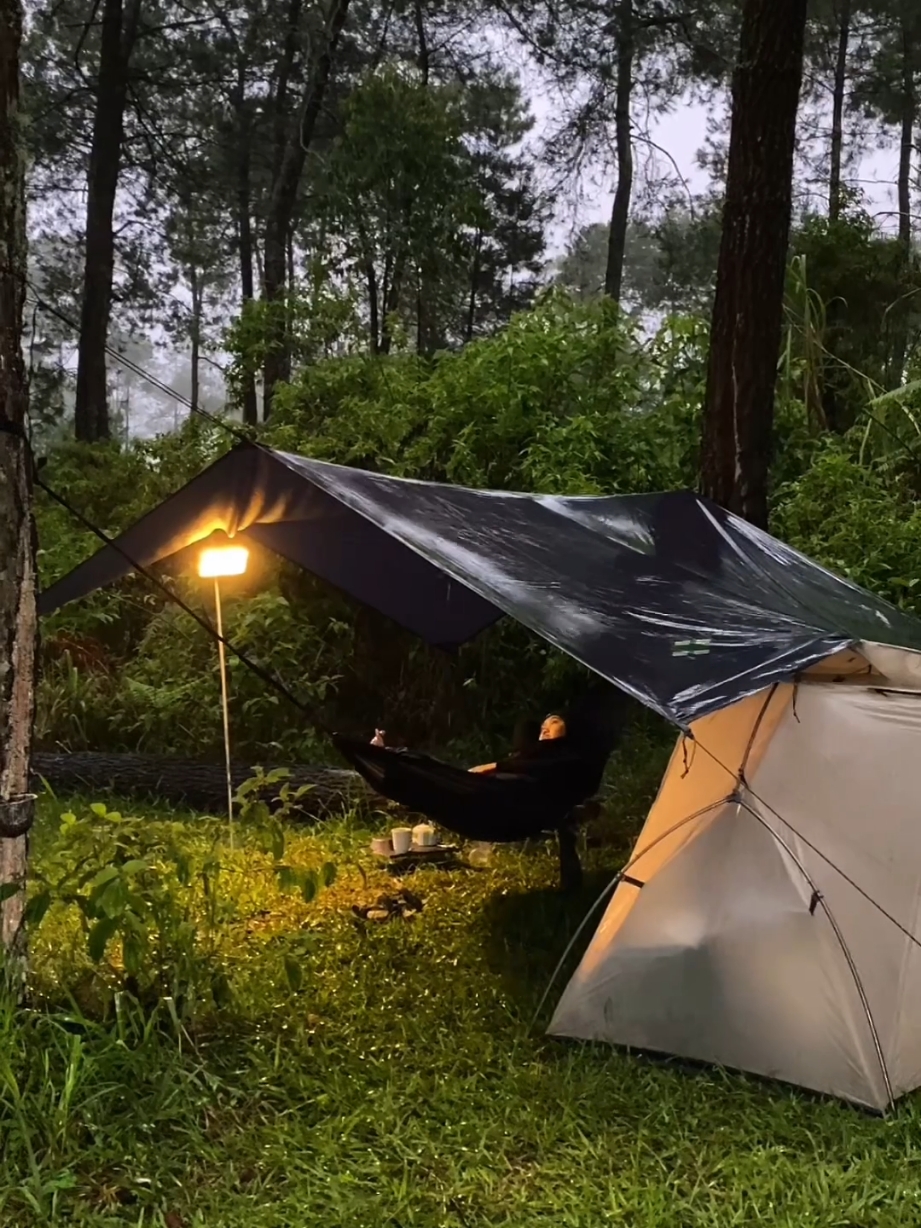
x: 198, y: 786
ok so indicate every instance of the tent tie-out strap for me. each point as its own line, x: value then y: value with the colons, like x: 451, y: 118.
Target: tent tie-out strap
x: 263, y: 674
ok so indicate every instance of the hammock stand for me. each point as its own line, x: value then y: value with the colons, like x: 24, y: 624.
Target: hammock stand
x: 528, y: 795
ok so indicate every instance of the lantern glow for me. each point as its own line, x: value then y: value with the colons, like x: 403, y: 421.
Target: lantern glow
x: 219, y: 561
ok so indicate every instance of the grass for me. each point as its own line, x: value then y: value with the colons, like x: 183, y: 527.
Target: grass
x: 400, y: 1086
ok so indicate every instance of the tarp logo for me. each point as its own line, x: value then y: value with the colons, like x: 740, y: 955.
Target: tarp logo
x: 691, y: 648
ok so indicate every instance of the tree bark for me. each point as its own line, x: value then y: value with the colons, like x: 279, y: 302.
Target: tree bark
x: 283, y: 199
x: 18, y: 623
x: 620, y: 209
x: 748, y: 306
x: 837, y: 113
x: 119, y: 31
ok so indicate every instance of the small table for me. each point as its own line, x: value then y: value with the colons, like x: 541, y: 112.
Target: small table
x: 421, y: 855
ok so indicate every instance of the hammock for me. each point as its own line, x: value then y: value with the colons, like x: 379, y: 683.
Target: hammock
x: 533, y: 791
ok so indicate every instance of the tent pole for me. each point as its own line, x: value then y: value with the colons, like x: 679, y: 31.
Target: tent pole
x: 224, y: 707
x: 821, y: 902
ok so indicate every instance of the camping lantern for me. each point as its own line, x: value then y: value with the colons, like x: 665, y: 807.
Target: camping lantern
x: 215, y: 563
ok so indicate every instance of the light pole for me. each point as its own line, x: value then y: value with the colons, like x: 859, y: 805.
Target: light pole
x: 214, y: 563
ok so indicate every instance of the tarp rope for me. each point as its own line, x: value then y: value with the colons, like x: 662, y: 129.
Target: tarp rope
x: 265, y: 675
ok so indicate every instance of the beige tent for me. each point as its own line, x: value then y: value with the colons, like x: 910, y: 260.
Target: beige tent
x: 766, y: 919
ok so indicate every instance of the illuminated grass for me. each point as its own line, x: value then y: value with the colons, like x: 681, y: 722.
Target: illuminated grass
x: 401, y: 1087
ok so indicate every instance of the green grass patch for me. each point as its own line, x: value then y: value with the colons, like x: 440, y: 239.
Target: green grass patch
x: 394, y: 1081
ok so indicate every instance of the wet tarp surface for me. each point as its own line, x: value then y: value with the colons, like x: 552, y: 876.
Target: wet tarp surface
x: 682, y: 605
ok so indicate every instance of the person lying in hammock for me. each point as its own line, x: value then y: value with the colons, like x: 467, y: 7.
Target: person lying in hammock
x: 551, y: 770
x: 525, y: 746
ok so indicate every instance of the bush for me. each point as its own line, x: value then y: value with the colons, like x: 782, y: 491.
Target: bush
x: 858, y: 520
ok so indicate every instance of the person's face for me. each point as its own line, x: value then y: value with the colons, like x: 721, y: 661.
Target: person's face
x: 553, y: 727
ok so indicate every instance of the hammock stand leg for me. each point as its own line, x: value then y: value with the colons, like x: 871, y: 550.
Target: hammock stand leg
x: 570, y: 866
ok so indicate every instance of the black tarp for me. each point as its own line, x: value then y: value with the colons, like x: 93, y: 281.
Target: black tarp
x: 682, y: 605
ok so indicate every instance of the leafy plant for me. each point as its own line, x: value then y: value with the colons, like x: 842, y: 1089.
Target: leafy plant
x: 270, y: 809
x: 145, y: 910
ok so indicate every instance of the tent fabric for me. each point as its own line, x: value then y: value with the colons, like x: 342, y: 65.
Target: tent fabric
x: 752, y: 942
x: 682, y: 605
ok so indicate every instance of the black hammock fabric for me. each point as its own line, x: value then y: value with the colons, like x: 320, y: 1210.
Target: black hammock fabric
x: 535, y: 789
x: 682, y: 605
x: 519, y: 800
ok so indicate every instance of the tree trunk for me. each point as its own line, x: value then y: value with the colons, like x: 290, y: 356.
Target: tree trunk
x: 393, y: 293
x: 18, y: 623
x: 283, y: 199
x: 620, y: 210
x: 748, y: 307
x: 289, y: 261
x: 203, y: 786
x: 831, y: 369
x: 198, y: 293
x: 908, y: 104
x: 374, y: 327
x: 474, y: 287
x: 119, y: 30
x: 837, y: 113
x: 245, y: 227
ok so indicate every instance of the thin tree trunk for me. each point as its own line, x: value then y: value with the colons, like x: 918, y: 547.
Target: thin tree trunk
x: 909, y: 109
x: 374, y: 326
x: 392, y: 296
x: 907, y: 138
x: 18, y: 623
x: 837, y: 113
x: 474, y: 287
x: 245, y: 227
x: 620, y: 209
x: 748, y: 306
x: 119, y: 30
x: 283, y: 199
x: 830, y: 406
x: 424, y: 61
x: 195, y: 283
x: 289, y: 259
